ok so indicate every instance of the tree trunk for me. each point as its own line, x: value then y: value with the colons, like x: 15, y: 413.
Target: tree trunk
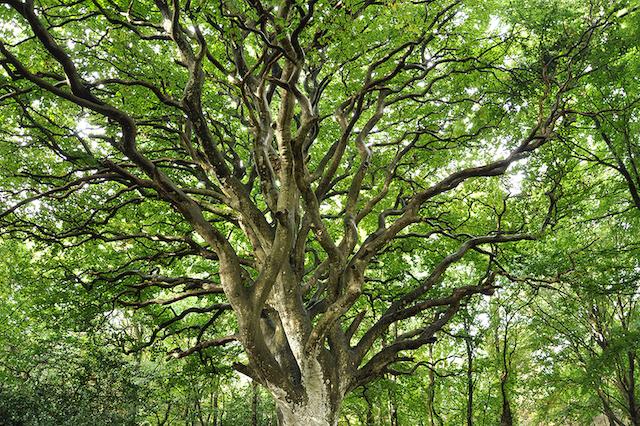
x: 608, y: 411
x: 506, y: 418
x: 434, y: 418
x: 393, y: 410
x: 214, y: 405
x: 469, y: 384
x: 369, y: 420
x: 502, y: 349
x: 318, y: 405
x: 634, y: 410
x: 312, y: 413
x: 254, y: 404
x: 470, y: 354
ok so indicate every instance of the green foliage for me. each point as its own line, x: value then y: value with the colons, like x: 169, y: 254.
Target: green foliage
x: 107, y: 279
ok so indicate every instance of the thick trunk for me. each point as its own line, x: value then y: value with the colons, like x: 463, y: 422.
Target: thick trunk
x: 311, y: 413
x: 306, y: 416
x: 317, y: 379
x: 316, y: 404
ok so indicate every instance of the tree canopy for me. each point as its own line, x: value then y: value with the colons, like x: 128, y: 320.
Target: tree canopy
x: 321, y: 195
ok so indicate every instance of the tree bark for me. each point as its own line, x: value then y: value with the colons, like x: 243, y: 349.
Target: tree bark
x: 469, y: 382
x: 314, y: 412
x: 505, y: 353
x: 608, y: 411
x: 434, y: 418
x: 215, y: 408
x: 393, y: 410
x: 506, y: 417
x: 254, y: 404
x: 634, y: 410
x: 319, y: 402
x: 370, y: 419
x: 469, y: 345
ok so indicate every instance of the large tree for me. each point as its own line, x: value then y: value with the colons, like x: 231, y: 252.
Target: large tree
x: 304, y: 173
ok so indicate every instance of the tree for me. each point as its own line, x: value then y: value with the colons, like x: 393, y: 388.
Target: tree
x: 588, y: 320
x: 305, y: 174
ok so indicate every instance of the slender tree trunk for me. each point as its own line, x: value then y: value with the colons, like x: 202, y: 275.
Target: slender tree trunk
x: 634, y: 414
x: 502, y: 350
x: 506, y: 418
x: 209, y: 409
x: 393, y: 411
x: 434, y: 419
x: 254, y: 403
x: 165, y: 418
x: 469, y: 381
x: 469, y: 346
x: 198, y: 407
x: 431, y: 398
x: 608, y: 411
x: 215, y: 408
x: 220, y: 411
x: 370, y: 419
